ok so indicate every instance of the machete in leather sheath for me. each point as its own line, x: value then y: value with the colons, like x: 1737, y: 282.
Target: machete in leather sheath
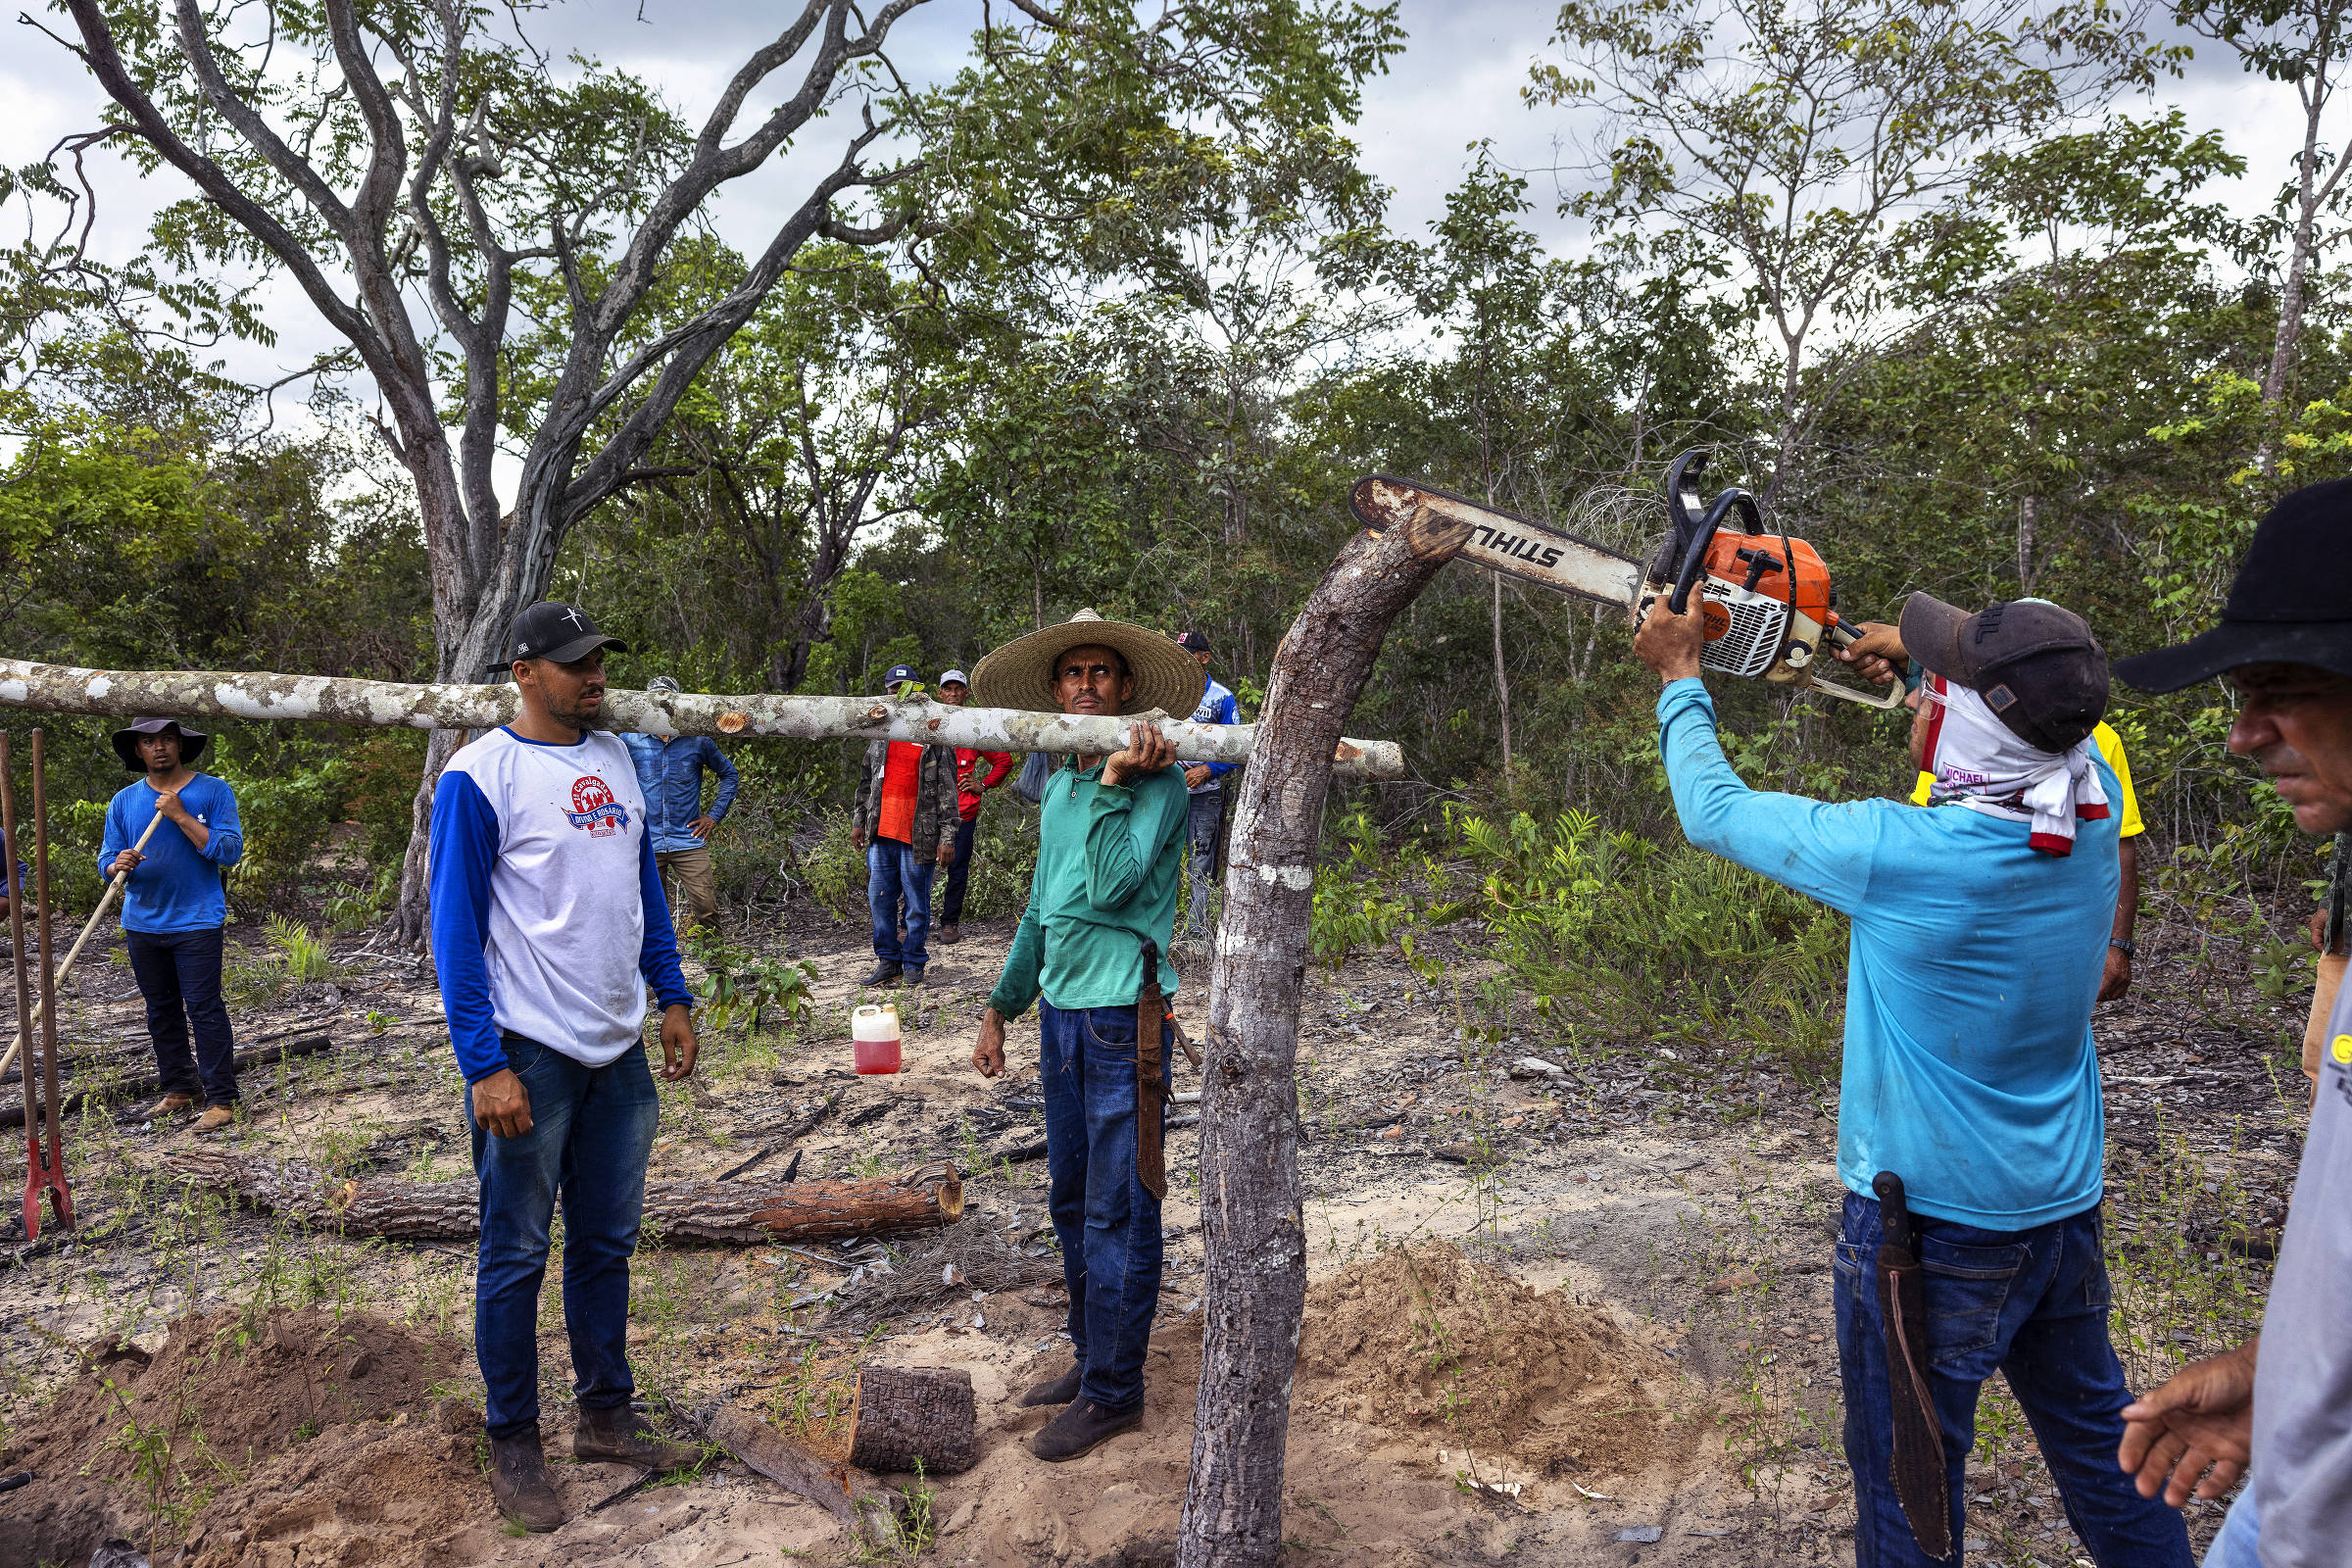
x: 1150, y: 1084
x: 1921, y: 1484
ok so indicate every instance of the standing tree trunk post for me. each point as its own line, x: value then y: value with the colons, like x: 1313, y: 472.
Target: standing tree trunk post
x: 1250, y: 1206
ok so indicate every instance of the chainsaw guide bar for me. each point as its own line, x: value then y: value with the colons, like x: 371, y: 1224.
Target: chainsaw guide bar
x: 1500, y: 541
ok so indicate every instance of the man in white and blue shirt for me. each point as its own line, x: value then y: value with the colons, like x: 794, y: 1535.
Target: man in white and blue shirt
x: 548, y: 925
x: 1205, y: 783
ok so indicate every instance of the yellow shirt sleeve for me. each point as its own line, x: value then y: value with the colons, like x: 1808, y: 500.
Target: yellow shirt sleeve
x: 2111, y: 746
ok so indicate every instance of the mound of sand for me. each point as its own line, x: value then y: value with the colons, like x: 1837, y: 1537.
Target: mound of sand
x: 139, y: 1439
x: 1422, y: 1339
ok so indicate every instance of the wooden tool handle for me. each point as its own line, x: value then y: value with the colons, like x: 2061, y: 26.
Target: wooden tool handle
x: 106, y: 902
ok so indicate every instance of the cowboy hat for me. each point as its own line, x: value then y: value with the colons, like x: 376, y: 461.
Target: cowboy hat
x: 126, y: 740
x: 1021, y: 674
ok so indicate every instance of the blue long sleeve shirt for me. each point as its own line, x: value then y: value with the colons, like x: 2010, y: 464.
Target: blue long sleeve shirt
x: 670, y: 773
x: 1972, y: 969
x: 547, y: 916
x: 1217, y: 707
x: 177, y: 886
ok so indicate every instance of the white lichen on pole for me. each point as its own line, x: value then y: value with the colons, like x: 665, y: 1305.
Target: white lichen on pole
x: 336, y: 700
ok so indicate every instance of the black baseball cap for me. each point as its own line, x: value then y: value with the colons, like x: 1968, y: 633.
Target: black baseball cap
x: 2290, y: 603
x: 552, y: 629
x: 899, y: 675
x: 1192, y: 642
x: 2036, y: 664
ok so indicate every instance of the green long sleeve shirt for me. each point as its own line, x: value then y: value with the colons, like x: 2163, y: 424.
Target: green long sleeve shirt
x: 1108, y: 860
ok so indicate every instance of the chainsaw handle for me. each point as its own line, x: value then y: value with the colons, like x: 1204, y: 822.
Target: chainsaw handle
x: 1686, y: 556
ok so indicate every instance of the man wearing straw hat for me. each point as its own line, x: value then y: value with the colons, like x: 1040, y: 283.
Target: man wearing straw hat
x: 173, y: 910
x: 1110, y: 858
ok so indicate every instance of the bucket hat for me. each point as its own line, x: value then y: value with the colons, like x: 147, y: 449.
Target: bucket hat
x: 2290, y: 603
x: 1021, y: 674
x: 192, y: 742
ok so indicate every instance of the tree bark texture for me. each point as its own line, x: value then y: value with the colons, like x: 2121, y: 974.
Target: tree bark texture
x: 910, y: 1416
x: 736, y: 1213
x: 335, y: 700
x: 848, y: 1494
x: 1250, y: 1199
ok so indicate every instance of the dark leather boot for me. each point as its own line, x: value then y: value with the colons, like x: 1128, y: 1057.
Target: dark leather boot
x: 885, y: 974
x: 520, y: 1486
x: 622, y: 1434
x: 1082, y: 1428
x: 1056, y: 1390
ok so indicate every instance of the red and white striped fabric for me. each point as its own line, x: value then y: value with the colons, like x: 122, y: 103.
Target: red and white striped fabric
x: 1980, y: 764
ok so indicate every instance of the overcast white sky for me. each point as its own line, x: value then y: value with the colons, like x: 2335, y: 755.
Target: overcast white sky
x: 1458, y: 81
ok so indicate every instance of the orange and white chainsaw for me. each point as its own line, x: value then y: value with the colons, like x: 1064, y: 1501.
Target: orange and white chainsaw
x: 1770, y: 609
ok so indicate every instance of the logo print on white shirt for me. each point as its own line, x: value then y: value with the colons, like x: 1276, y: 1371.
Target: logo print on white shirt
x: 594, y: 809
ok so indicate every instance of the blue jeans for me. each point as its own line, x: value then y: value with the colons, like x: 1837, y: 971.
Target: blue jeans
x: 591, y: 1131
x: 951, y: 899
x: 895, y: 873
x: 1105, y: 1219
x: 179, y: 976
x: 1205, y: 822
x: 2237, y: 1542
x: 2033, y: 1303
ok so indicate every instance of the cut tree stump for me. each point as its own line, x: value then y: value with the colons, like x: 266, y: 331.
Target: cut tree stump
x: 737, y: 1213
x: 848, y: 1494
x: 913, y: 1416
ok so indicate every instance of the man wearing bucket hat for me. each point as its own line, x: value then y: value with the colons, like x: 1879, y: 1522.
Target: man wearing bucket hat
x: 2280, y: 1407
x: 671, y: 770
x: 174, y: 906
x: 1978, y: 940
x: 1092, y: 950
x: 907, y: 805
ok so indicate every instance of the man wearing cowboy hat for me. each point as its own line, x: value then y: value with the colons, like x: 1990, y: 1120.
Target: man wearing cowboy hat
x: 2279, y: 1406
x: 173, y: 909
x: 1109, y: 858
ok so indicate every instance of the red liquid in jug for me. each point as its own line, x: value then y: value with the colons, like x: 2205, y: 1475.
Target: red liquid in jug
x: 875, y: 1056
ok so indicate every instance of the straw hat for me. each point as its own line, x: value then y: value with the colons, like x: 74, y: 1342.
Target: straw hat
x: 1021, y: 674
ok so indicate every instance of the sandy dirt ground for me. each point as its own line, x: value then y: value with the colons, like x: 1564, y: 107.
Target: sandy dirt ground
x: 1570, y: 1318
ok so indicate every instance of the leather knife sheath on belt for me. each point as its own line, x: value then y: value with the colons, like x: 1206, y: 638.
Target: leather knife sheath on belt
x: 1151, y: 1083
x: 1921, y: 1484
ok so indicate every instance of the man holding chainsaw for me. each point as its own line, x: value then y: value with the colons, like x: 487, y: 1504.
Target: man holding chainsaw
x: 1092, y: 945
x: 1970, y: 1140
x: 2279, y: 1406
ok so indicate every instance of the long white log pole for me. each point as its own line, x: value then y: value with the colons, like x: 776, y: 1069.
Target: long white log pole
x: 106, y: 902
x: 335, y: 700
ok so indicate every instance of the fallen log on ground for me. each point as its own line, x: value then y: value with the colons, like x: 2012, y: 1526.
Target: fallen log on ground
x: 909, y: 1417
x: 337, y: 700
x: 849, y: 1495
x: 730, y: 1214
x: 153, y: 1082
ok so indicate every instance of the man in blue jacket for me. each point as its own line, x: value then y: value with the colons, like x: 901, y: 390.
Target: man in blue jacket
x: 548, y: 926
x: 671, y: 770
x: 175, y: 908
x: 1204, y: 783
x: 1979, y: 944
